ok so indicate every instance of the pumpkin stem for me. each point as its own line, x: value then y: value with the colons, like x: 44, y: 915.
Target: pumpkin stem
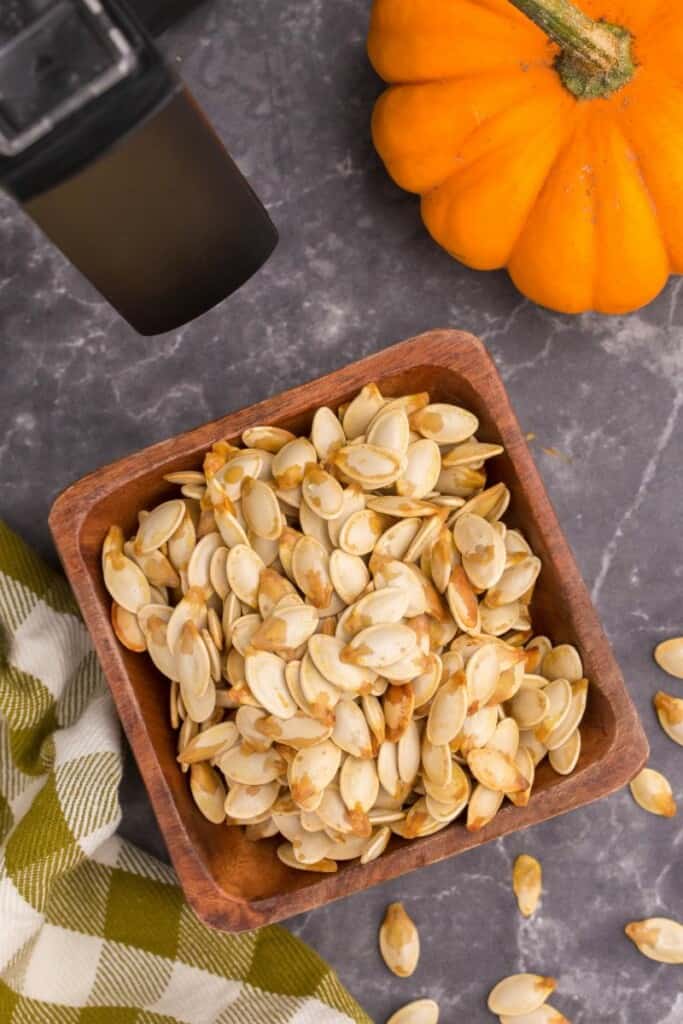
x: 596, y: 57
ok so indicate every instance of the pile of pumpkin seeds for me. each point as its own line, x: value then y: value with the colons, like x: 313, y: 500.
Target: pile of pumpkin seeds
x: 345, y: 622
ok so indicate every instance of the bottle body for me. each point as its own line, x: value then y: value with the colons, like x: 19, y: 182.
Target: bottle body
x: 125, y: 174
x: 163, y: 224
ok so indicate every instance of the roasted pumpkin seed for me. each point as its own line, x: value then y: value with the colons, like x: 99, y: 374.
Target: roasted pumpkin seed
x: 527, y: 882
x: 422, y: 1011
x: 563, y: 759
x: 545, y: 1014
x: 520, y: 994
x: 361, y: 411
x: 208, y: 791
x: 652, y: 791
x: 669, y: 656
x: 562, y: 662
x: 399, y: 941
x: 658, y: 938
x: 670, y: 714
x: 351, y: 732
x: 327, y: 433
x: 285, y: 853
x: 265, y: 676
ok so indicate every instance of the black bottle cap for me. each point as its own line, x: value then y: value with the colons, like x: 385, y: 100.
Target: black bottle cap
x: 75, y: 76
x: 112, y: 158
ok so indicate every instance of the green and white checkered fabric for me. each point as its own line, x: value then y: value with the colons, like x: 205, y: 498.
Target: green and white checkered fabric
x: 92, y: 931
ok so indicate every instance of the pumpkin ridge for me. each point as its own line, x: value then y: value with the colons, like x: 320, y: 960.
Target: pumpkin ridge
x: 513, y: 72
x: 643, y: 253
x: 573, y: 140
x: 635, y: 156
x: 489, y: 122
x: 656, y: 20
x: 447, y: 95
x: 662, y: 38
x: 635, y: 146
x: 561, y: 150
x: 519, y: 208
x: 596, y: 234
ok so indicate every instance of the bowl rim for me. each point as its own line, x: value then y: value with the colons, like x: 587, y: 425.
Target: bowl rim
x: 453, y: 350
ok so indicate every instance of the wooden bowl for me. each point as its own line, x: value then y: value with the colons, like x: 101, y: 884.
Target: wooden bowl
x: 230, y: 882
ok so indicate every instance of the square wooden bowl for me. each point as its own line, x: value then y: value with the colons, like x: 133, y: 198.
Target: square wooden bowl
x: 230, y: 882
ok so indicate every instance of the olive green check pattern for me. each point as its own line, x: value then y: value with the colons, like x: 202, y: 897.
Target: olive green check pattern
x: 93, y: 931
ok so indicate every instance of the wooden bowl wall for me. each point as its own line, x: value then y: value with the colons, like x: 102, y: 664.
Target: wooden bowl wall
x: 234, y: 884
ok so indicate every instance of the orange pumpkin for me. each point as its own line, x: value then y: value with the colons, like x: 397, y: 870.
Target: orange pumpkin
x: 552, y: 146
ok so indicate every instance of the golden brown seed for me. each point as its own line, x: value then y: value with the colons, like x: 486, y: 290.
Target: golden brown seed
x: 658, y: 938
x: 519, y: 994
x: 527, y: 881
x: 399, y: 941
x: 422, y: 1011
x: 670, y: 714
x: 652, y: 792
x: 669, y: 656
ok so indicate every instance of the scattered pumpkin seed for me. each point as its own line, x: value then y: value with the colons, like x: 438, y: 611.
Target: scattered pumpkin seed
x: 399, y: 941
x: 519, y: 994
x: 670, y: 714
x: 527, y: 881
x: 545, y: 1014
x: 652, y: 791
x: 421, y: 1011
x: 658, y: 938
x: 669, y: 656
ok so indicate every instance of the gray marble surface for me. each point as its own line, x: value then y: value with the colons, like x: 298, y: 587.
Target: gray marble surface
x: 289, y: 88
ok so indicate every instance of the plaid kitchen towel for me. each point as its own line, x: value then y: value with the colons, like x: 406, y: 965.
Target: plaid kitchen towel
x: 93, y: 931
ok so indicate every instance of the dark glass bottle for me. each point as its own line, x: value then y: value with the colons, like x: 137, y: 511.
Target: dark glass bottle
x: 109, y: 154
